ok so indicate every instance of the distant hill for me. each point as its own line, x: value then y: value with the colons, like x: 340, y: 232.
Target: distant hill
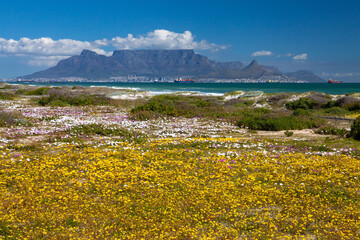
x: 171, y: 63
x: 306, y: 76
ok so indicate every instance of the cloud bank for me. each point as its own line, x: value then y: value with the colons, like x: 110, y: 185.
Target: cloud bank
x: 261, y: 53
x: 301, y: 57
x: 164, y: 39
x: 47, y: 52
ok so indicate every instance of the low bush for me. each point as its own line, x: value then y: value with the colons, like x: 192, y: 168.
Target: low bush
x: 261, y: 101
x: 288, y: 133
x: 336, y: 111
x: 302, y: 112
x: 278, y: 97
x: 63, y: 97
x: 353, y: 107
x: 330, y: 104
x: 302, y: 103
x: 38, y: 91
x: 176, y: 105
x: 58, y: 103
x: 269, y: 122
x: 355, y: 129
x: 319, y: 99
x: 239, y: 102
x: 329, y: 130
x: 22, y: 91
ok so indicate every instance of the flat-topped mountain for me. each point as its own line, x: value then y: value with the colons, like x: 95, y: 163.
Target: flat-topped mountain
x: 173, y: 63
x: 164, y: 63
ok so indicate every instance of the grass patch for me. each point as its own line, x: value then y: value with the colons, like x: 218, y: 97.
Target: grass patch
x: 6, y: 96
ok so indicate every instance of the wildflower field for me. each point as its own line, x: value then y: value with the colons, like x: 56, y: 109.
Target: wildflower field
x: 201, y: 188
x: 98, y: 172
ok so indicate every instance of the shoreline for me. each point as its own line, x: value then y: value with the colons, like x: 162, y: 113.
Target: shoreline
x: 214, y: 88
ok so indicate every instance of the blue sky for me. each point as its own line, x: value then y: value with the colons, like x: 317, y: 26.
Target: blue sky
x: 323, y: 36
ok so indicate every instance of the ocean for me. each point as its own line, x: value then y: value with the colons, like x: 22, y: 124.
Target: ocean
x: 218, y: 88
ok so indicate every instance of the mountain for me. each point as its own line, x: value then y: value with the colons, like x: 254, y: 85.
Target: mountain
x: 305, y: 75
x: 162, y: 63
x: 88, y: 64
x: 253, y: 71
x: 137, y: 62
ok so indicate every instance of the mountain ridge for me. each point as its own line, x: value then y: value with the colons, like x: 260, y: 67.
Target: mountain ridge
x: 164, y: 63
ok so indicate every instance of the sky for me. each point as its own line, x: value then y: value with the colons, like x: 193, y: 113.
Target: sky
x: 318, y: 35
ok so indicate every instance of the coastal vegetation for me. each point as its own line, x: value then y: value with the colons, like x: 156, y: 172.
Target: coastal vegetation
x: 64, y: 97
x: 178, y: 166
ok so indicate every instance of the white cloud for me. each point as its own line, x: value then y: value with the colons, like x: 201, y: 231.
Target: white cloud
x: 164, y: 39
x: 46, y: 46
x: 46, y: 51
x: 261, y: 53
x: 47, y: 61
x: 301, y: 57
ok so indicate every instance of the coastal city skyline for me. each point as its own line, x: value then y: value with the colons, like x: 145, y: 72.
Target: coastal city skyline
x: 312, y: 35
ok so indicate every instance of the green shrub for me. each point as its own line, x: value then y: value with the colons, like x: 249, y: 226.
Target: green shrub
x: 288, y: 133
x: 336, y: 111
x: 177, y: 105
x: 267, y: 122
x: 319, y: 99
x: 38, y: 91
x: 329, y: 130
x: 302, y: 112
x: 249, y: 102
x: 353, y: 106
x: 64, y: 96
x: 355, y: 129
x: 261, y: 101
x: 22, y: 91
x: 302, y: 103
x: 330, y: 104
x: 58, y: 103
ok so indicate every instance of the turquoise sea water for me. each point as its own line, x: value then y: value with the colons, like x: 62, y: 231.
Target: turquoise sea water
x: 221, y: 88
